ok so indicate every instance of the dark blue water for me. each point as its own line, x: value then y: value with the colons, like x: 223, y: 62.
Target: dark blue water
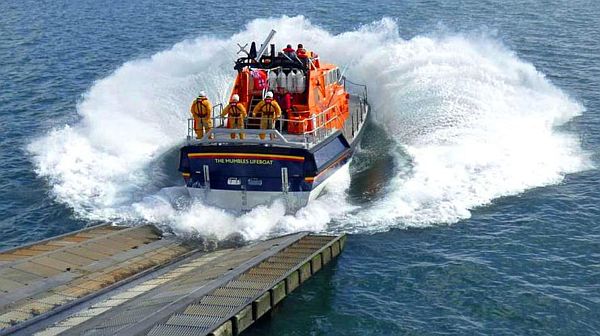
x: 525, y: 262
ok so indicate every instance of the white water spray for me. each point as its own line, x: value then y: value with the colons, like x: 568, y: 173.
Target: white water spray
x: 478, y: 123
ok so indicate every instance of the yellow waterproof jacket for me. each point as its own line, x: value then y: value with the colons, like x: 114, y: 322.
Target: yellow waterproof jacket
x: 234, y: 110
x: 201, y: 108
x: 267, y: 109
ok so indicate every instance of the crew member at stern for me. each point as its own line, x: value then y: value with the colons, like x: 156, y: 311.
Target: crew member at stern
x: 201, y: 110
x: 290, y: 52
x: 236, y: 114
x: 269, y: 111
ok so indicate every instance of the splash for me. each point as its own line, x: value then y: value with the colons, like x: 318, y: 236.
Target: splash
x: 477, y: 122
x: 172, y: 208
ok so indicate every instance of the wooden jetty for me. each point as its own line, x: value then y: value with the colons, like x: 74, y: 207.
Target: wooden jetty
x: 110, y: 280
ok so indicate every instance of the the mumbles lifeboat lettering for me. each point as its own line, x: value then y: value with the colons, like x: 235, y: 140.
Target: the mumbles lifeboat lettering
x: 245, y: 158
x: 244, y: 161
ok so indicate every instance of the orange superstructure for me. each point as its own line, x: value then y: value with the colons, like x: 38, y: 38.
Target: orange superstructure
x: 316, y: 100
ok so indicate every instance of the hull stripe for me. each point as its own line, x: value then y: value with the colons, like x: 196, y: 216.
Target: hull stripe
x: 244, y: 156
x: 344, y: 156
x: 311, y: 179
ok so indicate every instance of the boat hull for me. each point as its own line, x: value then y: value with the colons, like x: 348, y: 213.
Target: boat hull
x: 242, y: 201
x: 239, y: 178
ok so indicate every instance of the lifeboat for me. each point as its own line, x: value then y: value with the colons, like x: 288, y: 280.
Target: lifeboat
x: 322, y: 121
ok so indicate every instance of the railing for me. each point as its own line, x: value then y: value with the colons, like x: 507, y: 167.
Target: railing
x: 356, y: 117
x: 217, y: 109
x: 315, y: 129
x: 363, y: 92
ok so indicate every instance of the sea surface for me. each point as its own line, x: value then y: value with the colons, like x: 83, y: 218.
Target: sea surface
x: 473, y: 203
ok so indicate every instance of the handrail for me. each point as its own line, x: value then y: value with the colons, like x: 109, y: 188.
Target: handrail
x: 353, y: 83
x: 310, y: 137
x: 218, y: 108
x: 319, y: 124
x: 300, y: 121
x: 364, y: 86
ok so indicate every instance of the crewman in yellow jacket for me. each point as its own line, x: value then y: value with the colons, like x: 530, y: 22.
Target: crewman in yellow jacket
x: 236, y: 114
x: 269, y: 111
x: 201, y: 110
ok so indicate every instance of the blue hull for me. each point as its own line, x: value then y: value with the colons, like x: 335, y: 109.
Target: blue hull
x: 259, y: 167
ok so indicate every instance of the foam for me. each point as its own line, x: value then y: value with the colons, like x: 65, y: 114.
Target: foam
x: 477, y: 121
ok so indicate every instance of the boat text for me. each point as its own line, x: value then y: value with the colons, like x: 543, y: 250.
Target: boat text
x: 244, y: 161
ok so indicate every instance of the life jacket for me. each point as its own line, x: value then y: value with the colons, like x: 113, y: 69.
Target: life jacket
x: 268, y: 109
x: 301, y: 52
x: 289, y: 51
x: 201, y: 108
x: 234, y: 111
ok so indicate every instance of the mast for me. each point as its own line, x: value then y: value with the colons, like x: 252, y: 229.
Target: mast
x: 265, y: 45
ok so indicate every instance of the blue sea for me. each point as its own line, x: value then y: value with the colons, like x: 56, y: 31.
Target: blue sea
x: 472, y: 204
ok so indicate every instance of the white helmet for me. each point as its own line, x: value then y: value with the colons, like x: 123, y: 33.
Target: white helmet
x: 202, y: 94
x: 269, y: 94
x: 235, y: 98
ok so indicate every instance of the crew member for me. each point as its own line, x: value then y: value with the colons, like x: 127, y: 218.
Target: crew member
x: 269, y: 111
x: 290, y: 52
x: 236, y: 114
x: 302, y: 55
x: 300, y: 49
x: 201, y: 110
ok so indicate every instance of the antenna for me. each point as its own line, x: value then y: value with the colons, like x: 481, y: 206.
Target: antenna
x: 265, y: 45
x: 242, y: 49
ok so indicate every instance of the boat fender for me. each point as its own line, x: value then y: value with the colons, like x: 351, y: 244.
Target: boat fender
x: 300, y: 83
x: 281, y: 81
x: 291, y: 81
x: 272, y: 80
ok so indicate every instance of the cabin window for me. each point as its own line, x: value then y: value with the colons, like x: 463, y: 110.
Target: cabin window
x: 331, y: 76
